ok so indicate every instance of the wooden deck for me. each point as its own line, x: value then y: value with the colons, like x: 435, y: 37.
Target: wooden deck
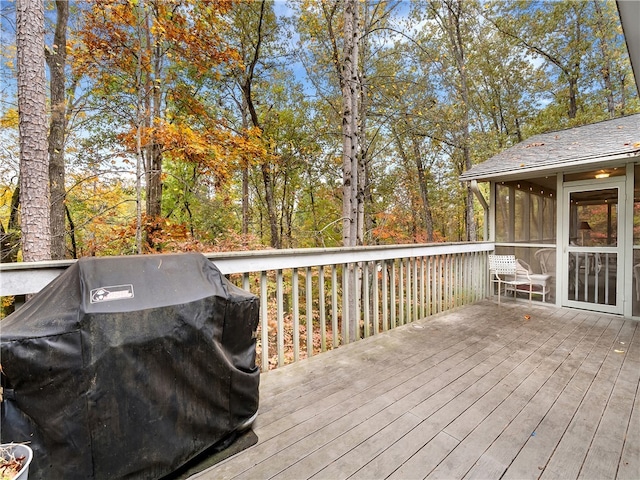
x: 484, y: 392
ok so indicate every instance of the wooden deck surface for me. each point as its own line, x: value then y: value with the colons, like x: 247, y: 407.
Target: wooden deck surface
x: 483, y: 392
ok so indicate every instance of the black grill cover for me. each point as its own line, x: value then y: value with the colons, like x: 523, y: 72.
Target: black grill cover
x: 127, y: 367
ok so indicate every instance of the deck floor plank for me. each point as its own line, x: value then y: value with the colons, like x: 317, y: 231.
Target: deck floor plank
x: 495, y: 460
x: 494, y: 412
x: 568, y: 459
x: 581, y: 366
x: 486, y: 391
x: 602, y: 459
x: 629, y: 466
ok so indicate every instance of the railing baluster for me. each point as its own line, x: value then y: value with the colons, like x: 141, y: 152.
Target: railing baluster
x: 280, y: 318
x: 441, y: 279
x: 401, y: 290
x: 434, y: 285
x: 264, y: 321
x: 296, y: 314
x: 334, y: 305
x: 376, y: 302
x: 385, y: 296
x: 449, y: 282
x: 428, y: 286
x: 309, y: 301
x: 357, y: 289
x: 416, y: 305
x: 458, y: 289
x: 423, y: 292
x: 365, y: 299
x: 393, y: 295
x: 322, y: 308
x: 409, y: 298
x: 345, y: 303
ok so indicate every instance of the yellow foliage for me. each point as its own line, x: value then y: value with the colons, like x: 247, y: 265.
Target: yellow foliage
x: 10, y: 118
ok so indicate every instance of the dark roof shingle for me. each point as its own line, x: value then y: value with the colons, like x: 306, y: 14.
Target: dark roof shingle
x: 549, y: 151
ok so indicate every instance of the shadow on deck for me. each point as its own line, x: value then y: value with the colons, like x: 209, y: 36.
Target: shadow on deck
x: 483, y: 392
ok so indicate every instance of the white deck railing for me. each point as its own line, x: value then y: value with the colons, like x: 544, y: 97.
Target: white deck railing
x: 394, y: 285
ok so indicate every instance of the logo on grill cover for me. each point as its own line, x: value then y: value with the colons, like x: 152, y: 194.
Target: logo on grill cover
x: 115, y: 292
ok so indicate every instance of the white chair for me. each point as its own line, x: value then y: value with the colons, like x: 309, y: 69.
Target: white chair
x: 547, y: 259
x: 541, y: 281
x: 504, y: 269
x: 636, y: 274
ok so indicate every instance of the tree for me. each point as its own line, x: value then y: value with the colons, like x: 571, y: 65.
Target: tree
x: 452, y: 33
x: 255, y: 25
x: 56, y: 60
x: 607, y: 64
x: 331, y: 32
x: 149, y: 60
x: 34, y: 164
x: 531, y: 27
x: 349, y: 76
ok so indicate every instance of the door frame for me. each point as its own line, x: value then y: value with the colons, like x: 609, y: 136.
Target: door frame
x: 565, y: 249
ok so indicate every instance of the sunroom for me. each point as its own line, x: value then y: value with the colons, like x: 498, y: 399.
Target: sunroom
x: 567, y: 205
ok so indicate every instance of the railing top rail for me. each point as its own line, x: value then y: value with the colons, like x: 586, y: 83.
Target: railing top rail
x: 29, y: 277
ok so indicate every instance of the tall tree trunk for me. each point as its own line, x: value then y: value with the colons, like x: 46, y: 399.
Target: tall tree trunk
x: 350, y: 144
x: 141, y: 108
x: 267, y: 179
x: 153, y: 170
x: 454, y: 31
x: 351, y: 167
x: 72, y: 233
x: 573, y: 97
x: 245, y: 202
x: 153, y: 110
x: 34, y: 161
x: 606, y: 58
x: 245, y: 178
x: 424, y: 191
x: 56, y: 60
x: 267, y: 173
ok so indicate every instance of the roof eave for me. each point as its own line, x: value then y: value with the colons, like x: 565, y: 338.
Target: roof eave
x: 563, y: 166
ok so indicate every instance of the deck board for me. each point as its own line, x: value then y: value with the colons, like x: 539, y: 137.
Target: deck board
x: 515, y: 391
